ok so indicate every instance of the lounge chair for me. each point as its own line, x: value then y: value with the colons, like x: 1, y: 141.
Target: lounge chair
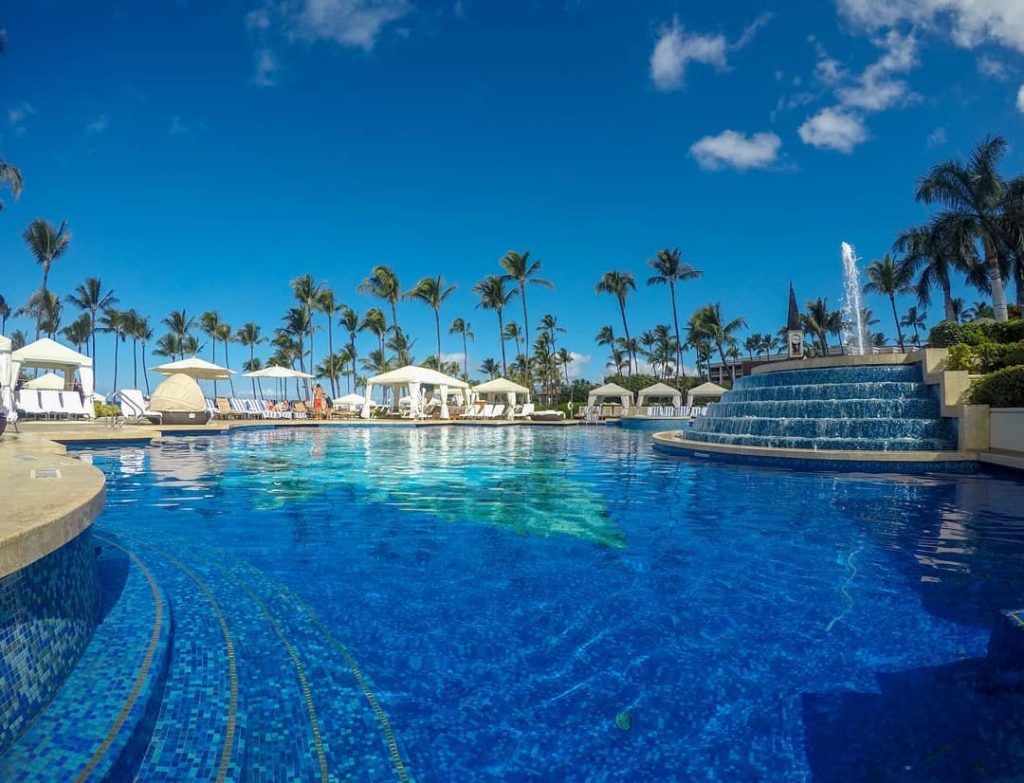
x: 211, y: 408
x: 224, y: 408
x: 525, y: 411
x: 474, y: 411
x: 299, y: 411
x: 26, y: 402
x: 498, y: 412
x: 135, y: 410
x: 73, y: 405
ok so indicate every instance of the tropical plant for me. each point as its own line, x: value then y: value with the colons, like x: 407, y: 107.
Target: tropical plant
x: 494, y: 296
x: 350, y: 321
x: 512, y: 333
x: 78, y: 331
x: 11, y: 178
x: 671, y: 270
x: 47, y: 244
x: 180, y: 324
x: 490, y: 368
x: 937, y: 249
x: 463, y: 328
x: 112, y: 322
x: 18, y: 339
x: 5, y: 313
x: 519, y: 269
x: 973, y: 194
x: 709, y: 321
x: 333, y: 367
x: 89, y: 296
x: 383, y: 284
x: 433, y: 291
x: 915, y: 321
x: 819, y: 321
x: 565, y: 358
x: 889, y: 278
x: 306, y: 293
x: 249, y: 335
x: 979, y: 310
x: 619, y: 284
x: 400, y: 343
x: 328, y: 305
x: 45, y: 308
x: 376, y: 324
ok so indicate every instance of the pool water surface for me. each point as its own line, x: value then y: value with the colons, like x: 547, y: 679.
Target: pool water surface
x: 462, y: 604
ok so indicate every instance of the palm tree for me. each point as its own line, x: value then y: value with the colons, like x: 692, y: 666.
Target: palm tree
x: 129, y: 327
x: 889, y: 278
x: 18, y: 339
x: 668, y: 264
x: 333, y: 367
x: 168, y: 346
x: 958, y: 308
x: 11, y: 177
x: 326, y: 304
x: 5, y: 313
x: 521, y: 270
x: 817, y: 318
x: 915, y: 320
x: 754, y: 342
x: 112, y: 322
x: 47, y: 244
x: 376, y: 324
x: 45, y: 308
x: 252, y: 365
x: 144, y: 333
x: 937, y: 249
x: 298, y: 323
x: 710, y: 321
x: 549, y: 326
x: 307, y: 293
x: 619, y: 284
x: 209, y: 323
x: 512, y: 333
x: 78, y: 331
x: 979, y: 310
x: 565, y: 358
x: 180, y: 325
x: 350, y: 321
x: 462, y: 327
x: 974, y: 194
x: 249, y: 336
x: 493, y: 296
x: 400, y: 343
x: 89, y: 296
x: 225, y: 335
x: 383, y: 283
x: 490, y: 368
x: 432, y: 291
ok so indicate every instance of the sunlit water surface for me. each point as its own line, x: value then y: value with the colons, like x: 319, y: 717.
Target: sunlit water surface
x: 510, y: 591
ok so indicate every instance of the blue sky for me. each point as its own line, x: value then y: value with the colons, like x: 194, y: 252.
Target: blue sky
x: 205, y: 153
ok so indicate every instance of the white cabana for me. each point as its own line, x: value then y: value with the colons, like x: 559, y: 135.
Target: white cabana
x: 707, y: 389
x: 7, y: 380
x: 659, y: 391
x: 349, y: 402
x: 414, y: 379
x: 48, y: 381
x: 47, y: 354
x: 196, y: 368
x: 502, y: 390
x: 610, y: 391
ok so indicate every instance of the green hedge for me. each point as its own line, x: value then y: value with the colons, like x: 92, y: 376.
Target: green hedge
x: 949, y: 333
x: 106, y: 410
x: 1002, y: 389
x: 987, y: 357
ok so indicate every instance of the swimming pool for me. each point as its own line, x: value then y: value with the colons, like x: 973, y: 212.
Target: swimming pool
x: 460, y: 604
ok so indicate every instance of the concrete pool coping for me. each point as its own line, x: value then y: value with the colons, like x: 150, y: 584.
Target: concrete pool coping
x: 48, y: 499
x: 671, y: 442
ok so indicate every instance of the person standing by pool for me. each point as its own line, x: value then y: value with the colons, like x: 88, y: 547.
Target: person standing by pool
x: 319, y: 406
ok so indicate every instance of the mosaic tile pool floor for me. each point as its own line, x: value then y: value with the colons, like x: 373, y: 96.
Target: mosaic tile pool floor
x: 545, y: 605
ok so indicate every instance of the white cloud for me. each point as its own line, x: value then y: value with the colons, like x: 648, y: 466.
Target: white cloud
x: 20, y: 112
x: 736, y: 150
x: 1020, y: 99
x: 827, y: 69
x: 265, y: 68
x: 834, y: 129
x: 876, y: 89
x: 579, y: 364
x: 968, y: 22
x: 937, y: 137
x: 675, y: 49
x: 178, y: 128
x: 99, y: 125
x: 354, y: 23
x: 990, y: 66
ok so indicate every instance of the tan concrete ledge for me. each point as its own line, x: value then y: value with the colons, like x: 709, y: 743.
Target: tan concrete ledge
x: 1004, y: 459
x: 46, y: 499
x: 823, y: 362
x: 672, y: 441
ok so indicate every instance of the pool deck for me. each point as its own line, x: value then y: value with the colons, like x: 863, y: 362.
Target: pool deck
x: 48, y: 498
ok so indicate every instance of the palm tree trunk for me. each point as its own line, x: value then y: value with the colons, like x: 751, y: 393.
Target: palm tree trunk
x: 135, y: 364
x: 117, y: 339
x: 330, y: 350
x: 465, y: 354
x: 46, y: 274
x: 629, y: 341
x: 896, y: 318
x: 227, y: 363
x: 675, y: 321
x: 437, y: 328
x: 947, y: 303
x: 996, y: 279
x: 145, y: 372
x: 213, y: 342
x: 501, y: 339
x: 526, y: 331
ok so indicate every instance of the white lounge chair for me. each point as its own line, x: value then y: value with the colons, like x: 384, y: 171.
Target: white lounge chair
x: 134, y: 408
x: 73, y: 404
x: 50, y: 402
x: 525, y: 410
x: 497, y: 412
x: 211, y: 408
x: 26, y: 402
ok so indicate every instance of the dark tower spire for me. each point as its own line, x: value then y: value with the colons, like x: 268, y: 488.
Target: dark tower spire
x: 793, y: 320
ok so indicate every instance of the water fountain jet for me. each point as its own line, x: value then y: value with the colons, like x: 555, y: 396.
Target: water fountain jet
x: 853, y: 318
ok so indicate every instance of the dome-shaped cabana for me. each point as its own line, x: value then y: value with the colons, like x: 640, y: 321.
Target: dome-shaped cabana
x: 180, y: 400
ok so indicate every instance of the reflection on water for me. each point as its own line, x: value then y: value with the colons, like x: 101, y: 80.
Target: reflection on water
x: 506, y: 477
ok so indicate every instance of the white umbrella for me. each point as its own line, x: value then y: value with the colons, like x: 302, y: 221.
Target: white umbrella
x: 276, y: 372
x: 196, y: 368
x: 48, y: 381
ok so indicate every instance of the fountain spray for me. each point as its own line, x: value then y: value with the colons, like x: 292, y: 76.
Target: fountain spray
x: 853, y: 320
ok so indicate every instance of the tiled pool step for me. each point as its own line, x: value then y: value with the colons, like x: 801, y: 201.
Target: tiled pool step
x: 99, y: 723
x: 300, y: 713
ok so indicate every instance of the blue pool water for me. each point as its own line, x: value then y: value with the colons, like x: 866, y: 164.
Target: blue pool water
x: 505, y: 593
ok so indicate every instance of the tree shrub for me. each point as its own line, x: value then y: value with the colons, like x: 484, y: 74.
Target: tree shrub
x: 1002, y: 389
x: 986, y: 357
x: 950, y: 333
x: 102, y: 410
